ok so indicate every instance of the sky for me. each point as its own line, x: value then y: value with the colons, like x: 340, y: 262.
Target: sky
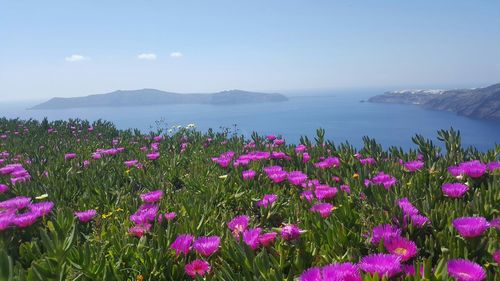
x: 80, y: 47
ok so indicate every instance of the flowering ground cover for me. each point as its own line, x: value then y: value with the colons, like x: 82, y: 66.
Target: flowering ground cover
x: 81, y: 201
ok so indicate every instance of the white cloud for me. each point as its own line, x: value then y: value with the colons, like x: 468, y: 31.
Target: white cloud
x: 176, y: 55
x: 147, y: 56
x: 75, y: 58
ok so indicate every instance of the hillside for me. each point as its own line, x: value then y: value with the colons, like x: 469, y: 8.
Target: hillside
x: 481, y: 103
x: 146, y: 97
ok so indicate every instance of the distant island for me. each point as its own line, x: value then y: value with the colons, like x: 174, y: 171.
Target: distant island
x: 145, y: 97
x: 480, y: 103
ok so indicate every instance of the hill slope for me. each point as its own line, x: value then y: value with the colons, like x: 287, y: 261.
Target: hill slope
x: 481, y: 103
x: 147, y: 97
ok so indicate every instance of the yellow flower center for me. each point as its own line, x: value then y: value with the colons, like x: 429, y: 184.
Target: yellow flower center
x: 400, y: 251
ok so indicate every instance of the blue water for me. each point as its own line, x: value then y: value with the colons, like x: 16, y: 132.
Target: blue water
x: 342, y: 115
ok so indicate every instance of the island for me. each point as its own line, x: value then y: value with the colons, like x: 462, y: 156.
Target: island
x: 147, y: 97
x: 480, y: 103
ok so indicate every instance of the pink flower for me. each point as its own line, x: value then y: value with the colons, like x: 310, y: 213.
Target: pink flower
x: 469, y: 227
x: 267, y: 200
x: 248, y: 174
x: 297, y: 177
x: 18, y: 202
x: 153, y: 156
x: 41, y: 209
x: 207, y: 245
x: 238, y: 224
x: 130, y: 163
x: 197, y: 267
x: 402, y: 247
x: 170, y: 216
x: 182, y: 244
x: 413, y: 166
x: 69, y: 156
x: 290, y: 232
x: 25, y: 220
x: 3, y: 188
x: 267, y: 238
x: 139, y: 230
x: 454, y: 190
x: 251, y: 237
x: 152, y: 197
x: 324, y: 209
x: 86, y: 216
x: 325, y: 192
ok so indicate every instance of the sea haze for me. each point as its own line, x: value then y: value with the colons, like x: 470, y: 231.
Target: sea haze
x: 341, y: 114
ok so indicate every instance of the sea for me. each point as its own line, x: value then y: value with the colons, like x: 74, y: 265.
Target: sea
x: 343, y: 115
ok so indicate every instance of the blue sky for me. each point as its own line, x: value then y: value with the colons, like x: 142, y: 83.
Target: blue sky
x: 72, y: 48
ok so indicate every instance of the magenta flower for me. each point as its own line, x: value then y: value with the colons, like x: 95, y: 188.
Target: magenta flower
x: 270, y: 137
x: 469, y: 227
x: 251, y: 237
x: 384, y: 179
x: 42, y: 208
x: 307, y: 195
x: 305, y: 157
x: 493, y: 165
x: 139, y: 230
x: 402, y: 247
x: 384, y: 264
x: 238, y: 224
x: 18, y: 202
x: 86, y: 216
x: 311, y: 274
x: 267, y: 200
x: 413, y: 166
x: 278, y: 176
x: 6, y: 220
x: 300, y: 148
x: 407, y: 207
x: 4, y: 188
x: 207, y: 245
x: 197, y: 268
x: 325, y: 192
x: 296, y: 177
x: 130, y: 163
x: 69, y: 156
x: 25, y: 220
x: 170, y: 216
x: 248, y: 174
x: 473, y: 169
x: 328, y: 163
x: 324, y: 209
x: 153, y: 156
x: 152, y: 197
x: 290, y: 232
x: 465, y: 270
x: 182, y: 244
x: 384, y: 231
x: 419, y: 221
x: 267, y: 238
x: 495, y: 223
x: 367, y: 161
x: 454, y: 190
x: 496, y: 256
x: 341, y: 271
x: 345, y: 188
